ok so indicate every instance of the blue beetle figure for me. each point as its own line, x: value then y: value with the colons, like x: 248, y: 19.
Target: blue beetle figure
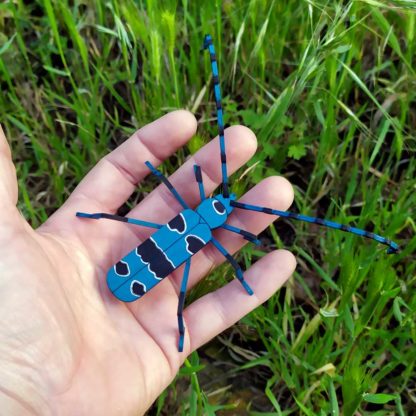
x: 176, y: 242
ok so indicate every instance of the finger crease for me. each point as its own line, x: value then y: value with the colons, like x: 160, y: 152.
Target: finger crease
x: 123, y: 170
x: 158, y: 160
x: 220, y: 306
x: 174, y: 280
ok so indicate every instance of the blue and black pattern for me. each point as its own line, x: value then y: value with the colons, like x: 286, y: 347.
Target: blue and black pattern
x: 174, y: 243
x: 159, y: 255
x: 234, y: 264
x: 152, y: 255
x: 122, y: 268
x: 219, y: 208
x: 134, y: 221
x: 198, y: 178
x: 165, y: 180
x: 393, y: 247
x: 177, y: 224
x: 194, y: 244
x: 181, y: 304
x: 217, y: 93
x: 137, y: 288
x: 245, y: 234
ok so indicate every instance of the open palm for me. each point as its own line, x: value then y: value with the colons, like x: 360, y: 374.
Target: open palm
x: 67, y: 345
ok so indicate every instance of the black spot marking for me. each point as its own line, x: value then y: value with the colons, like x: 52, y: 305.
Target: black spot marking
x: 144, y: 250
x: 155, y: 258
x: 137, y: 288
x: 122, y: 268
x: 193, y: 243
x: 319, y: 221
x: 268, y: 210
x: 177, y: 224
x: 344, y: 227
x: 219, y: 208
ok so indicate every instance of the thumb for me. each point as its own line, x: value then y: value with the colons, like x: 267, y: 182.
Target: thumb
x: 8, y: 181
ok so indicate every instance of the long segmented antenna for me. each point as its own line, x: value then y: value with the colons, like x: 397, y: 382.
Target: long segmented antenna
x: 217, y: 92
x: 392, y: 246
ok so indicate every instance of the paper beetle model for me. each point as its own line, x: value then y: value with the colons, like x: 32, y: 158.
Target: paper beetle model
x: 191, y: 230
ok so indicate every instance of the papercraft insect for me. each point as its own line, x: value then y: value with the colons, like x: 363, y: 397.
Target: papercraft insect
x: 176, y: 242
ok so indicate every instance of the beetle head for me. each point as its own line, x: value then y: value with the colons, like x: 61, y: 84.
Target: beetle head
x: 215, y: 210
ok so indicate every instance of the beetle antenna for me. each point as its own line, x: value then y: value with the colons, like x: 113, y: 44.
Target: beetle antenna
x: 392, y: 246
x: 217, y: 92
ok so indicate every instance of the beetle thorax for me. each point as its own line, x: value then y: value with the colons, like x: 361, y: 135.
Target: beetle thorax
x: 215, y: 210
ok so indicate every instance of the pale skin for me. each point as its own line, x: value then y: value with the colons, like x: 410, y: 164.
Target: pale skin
x: 67, y: 346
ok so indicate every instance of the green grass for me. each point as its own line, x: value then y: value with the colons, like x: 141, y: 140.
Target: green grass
x: 330, y: 90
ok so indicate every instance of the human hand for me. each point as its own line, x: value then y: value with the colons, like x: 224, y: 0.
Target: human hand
x: 67, y: 345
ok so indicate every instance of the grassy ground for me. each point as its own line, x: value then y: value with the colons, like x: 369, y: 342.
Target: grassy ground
x: 330, y: 90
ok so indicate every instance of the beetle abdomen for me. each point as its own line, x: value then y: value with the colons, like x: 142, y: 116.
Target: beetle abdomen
x: 158, y: 256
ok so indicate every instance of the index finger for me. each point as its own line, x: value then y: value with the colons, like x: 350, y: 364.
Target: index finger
x: 110, y: 183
